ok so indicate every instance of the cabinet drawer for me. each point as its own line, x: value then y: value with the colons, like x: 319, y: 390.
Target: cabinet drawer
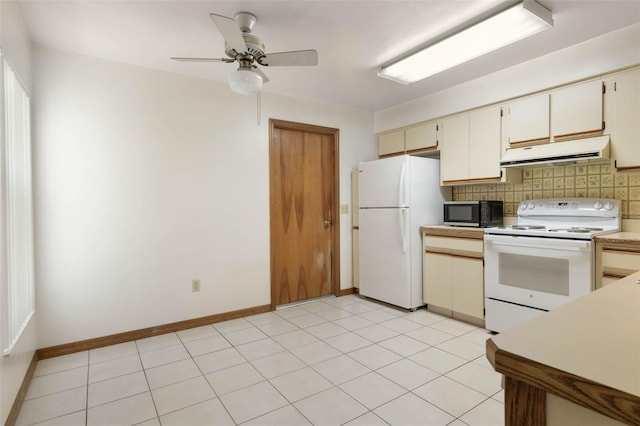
x: 620, y: 259
x: 453, y: 245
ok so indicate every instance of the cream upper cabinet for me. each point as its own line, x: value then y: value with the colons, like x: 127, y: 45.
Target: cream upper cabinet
x: 528, y: 120
x: 454, y: 148
x: 624, y: 108
x: 577, y: 110
x: 423, y: 137
x: 485, y: 143
x: 391, y: 143
x: 470, y: 146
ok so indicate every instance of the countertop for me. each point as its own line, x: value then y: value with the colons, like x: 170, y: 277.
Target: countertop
x: 587, y: 351
x: 454, y: 231
x: 620, y: 238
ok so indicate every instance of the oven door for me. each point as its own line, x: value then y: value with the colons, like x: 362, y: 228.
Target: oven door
x: 542, y: 273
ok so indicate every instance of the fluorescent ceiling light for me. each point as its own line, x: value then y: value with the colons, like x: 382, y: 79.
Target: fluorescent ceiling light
x: 513, y: 24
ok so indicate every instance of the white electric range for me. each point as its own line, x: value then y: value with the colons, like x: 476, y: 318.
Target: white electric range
x: 546, y: 259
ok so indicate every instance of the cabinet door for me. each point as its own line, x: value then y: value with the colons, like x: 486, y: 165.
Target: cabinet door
x: 528, y: 120
x: 467, y: 286
x: 436, y: 280
x: 484, y: 143
x: 577, y: 110
x: 391, y: 143
x: 423, y: 137
x: 454, y: 148
x: 626, y: 132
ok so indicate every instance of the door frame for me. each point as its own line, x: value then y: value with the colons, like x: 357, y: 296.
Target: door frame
x: 335, y: 228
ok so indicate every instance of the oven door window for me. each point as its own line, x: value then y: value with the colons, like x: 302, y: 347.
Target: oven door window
x: 543, y: 274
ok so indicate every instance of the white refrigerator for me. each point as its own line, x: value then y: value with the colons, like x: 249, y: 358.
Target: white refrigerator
x: 397, y: 196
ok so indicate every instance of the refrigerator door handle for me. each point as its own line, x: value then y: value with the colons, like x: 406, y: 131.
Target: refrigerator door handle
x: 402, y: 230
x: 401, y: 189
x: 401, y: 196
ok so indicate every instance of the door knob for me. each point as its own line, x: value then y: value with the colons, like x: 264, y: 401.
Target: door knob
x: 327, y: 223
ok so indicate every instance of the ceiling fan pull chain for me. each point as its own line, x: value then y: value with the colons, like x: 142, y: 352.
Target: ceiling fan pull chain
x: 259, y: 99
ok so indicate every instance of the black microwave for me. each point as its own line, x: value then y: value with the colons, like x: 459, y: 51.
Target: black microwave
x: 480, y: 214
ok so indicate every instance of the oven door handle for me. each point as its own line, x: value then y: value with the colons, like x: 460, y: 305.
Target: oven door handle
x: 576, y: 246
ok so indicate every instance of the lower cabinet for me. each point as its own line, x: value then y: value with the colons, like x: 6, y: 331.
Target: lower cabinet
x: 616, y: 261
x: 453, y: 275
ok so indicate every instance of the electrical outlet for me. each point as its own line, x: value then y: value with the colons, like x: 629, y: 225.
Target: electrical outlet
x: 195, y: 285
x: 344, y: 208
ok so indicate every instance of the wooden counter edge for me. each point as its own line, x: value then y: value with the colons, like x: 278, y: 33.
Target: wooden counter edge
x: 453, y: 232
x: 521, y: 374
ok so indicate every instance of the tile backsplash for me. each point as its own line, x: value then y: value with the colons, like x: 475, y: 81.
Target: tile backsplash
x: 589, y: 180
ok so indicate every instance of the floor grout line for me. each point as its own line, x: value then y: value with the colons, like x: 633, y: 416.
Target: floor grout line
x: 326, y: 325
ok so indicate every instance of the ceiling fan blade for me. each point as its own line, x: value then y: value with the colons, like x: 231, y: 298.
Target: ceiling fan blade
x: 230, y: 31
x: 261, y: 74
x: 199, y: 59
x: 298, y: 58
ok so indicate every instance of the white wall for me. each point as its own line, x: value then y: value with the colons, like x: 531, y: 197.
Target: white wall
x: 145, y: 180
x: 14, y: 41
x: 603, y: 54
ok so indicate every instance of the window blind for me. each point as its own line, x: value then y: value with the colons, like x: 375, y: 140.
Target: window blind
x: 18, y: 301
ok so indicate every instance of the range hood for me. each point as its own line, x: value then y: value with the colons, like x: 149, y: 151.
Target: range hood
x: 590, y: 150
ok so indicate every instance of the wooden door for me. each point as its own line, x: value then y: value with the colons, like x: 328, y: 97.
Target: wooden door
x: 303, y: 209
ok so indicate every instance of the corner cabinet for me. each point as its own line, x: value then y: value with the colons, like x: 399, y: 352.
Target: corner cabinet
x: 453, y: 272
x: 417, y: 139
x: 623, y: 106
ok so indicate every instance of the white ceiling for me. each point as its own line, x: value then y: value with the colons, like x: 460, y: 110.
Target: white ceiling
x: 353, y: 38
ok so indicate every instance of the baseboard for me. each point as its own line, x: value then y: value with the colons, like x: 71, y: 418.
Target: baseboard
x: 17, y: 403
x: 98, y: 342
x: 347, y: 291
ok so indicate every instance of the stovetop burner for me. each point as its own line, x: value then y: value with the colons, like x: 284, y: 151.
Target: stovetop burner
x: 526, y: 227
x: 571, y: 218
x: 580, y: 229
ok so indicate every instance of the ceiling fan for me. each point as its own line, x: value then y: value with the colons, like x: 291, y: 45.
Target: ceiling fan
x: 248, y: 51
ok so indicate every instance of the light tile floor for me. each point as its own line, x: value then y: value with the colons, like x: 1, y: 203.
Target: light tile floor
x: 332, y: 361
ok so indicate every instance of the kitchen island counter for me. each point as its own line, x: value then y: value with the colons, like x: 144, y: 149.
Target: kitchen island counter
x: 586, y: 352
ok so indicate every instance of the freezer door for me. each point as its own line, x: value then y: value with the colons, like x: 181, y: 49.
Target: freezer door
x: 385, y: 256
x: 383, y: 183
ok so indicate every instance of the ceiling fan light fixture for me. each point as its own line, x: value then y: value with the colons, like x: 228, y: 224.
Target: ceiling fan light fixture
x: 513, y: 24
x: 245, y: 82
